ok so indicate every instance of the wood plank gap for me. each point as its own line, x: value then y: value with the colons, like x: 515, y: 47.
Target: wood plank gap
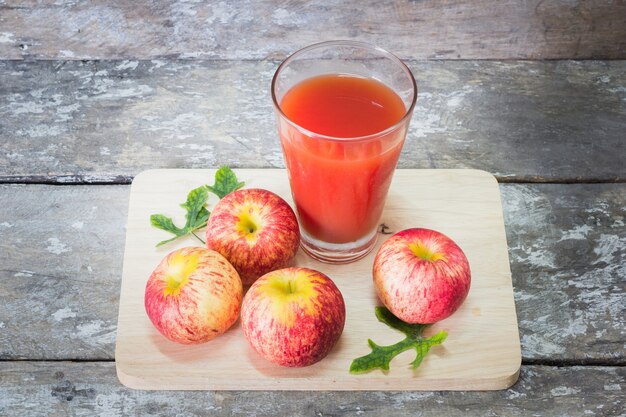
x: 564, y: 363
x: 588, y: 363
x: 68, y: 179
x: 57, y: 360
x: 277, y: 61
x: 563, y: 181
x: 128, y: 179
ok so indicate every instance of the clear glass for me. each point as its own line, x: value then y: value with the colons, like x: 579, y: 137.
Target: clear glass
x: 339, y: 184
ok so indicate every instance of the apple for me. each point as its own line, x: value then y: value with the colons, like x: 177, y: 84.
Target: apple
x: 255, y: 230
x: 293, y: 316
x: 193, y: 295
x: 421, y: 275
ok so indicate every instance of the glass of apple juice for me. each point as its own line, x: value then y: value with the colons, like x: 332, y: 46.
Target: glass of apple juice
x: 343, y: 109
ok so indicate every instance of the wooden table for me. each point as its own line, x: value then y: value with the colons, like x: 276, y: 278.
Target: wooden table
x: 93, y: 93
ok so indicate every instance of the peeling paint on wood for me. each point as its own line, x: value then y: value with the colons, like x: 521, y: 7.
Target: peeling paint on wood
x: 127, y: 86
x: 268, y: 29
x: 106, y: 121
x: 61, y: 259
x: 62, y: 388
x: 567, y: 245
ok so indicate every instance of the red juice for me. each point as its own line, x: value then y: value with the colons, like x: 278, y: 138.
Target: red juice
x: 339, y: 181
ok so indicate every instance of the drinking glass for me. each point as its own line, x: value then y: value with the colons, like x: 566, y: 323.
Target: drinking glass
x: 339, y: 172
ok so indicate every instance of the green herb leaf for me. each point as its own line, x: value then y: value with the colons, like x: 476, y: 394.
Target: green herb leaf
x: 195, y: 218
x: 165, y: 223
x: 381, y: 356
x: 197, y: 215
x: 225, y: 182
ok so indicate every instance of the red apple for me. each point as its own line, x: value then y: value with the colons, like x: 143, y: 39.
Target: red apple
x: 293, y: 316
x: 193, y: 295
x: 421, y: 275
x: 255, y: 230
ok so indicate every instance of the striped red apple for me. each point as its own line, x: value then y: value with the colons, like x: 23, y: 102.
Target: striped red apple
x: 293, y: 316
x: 256, y: 230
x: 421, y: 275
x: 193, y: 295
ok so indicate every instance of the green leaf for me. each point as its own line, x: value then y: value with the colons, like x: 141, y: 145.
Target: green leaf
x: 195, y: 218
x: 381, y: 356
x: 165, y: 223
x: 197, y: 214
x: 385, y: 316
x: 225, y: 182
x: 201, y: 218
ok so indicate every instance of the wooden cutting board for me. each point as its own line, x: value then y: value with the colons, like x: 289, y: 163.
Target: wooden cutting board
x: 482, y: 351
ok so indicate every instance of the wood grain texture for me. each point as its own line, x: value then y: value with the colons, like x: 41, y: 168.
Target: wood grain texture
x: 462, y: 204
x: 567, y: 246
x: 105, y: 121
x: 88, y: 389
x: 184, y: 84
x: 61, y: 251
x: 245, y: 29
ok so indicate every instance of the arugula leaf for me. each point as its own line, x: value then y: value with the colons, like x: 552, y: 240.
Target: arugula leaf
x: 161, y: 222
x: 381, y: 356
x: 165, y: 223
x: 225, y: 182
x: 197, y: 214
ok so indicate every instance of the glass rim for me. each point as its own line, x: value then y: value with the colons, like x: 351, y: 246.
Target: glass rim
x: 359, y: 44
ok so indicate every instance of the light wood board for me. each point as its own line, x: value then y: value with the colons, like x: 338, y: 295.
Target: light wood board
x: 482, y: 351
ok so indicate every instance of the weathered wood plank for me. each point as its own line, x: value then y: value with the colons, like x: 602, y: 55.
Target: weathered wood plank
x: 88, y: 389
x: 102, y: 122
x: 245, y: 29
x: 61, y: 251
x: 567, y: 247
